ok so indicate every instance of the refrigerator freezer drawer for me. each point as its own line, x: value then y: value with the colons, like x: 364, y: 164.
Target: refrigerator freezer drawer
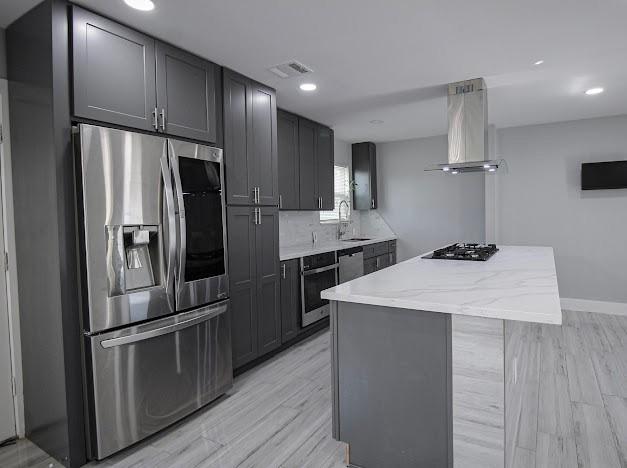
x: 146, y: 377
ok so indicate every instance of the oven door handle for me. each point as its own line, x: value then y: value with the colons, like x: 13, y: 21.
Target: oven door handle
x: 320, y: 270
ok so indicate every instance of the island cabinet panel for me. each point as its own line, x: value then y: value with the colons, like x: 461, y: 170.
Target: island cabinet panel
x: 289, y: 186
x: 290, y: 299
x: 254, y: 281
x: 114, y: 72
x: 391, y: 385
x: 186, y: 94
x: 478, y: 372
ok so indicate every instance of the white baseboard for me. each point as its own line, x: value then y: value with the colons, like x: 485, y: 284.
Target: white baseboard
x: 600, y: 307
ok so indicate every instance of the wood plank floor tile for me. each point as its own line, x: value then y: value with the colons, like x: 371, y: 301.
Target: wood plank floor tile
x: 555, y: 451
x: 616, y: 409
x: 582, y: 381
x: 596, y: 447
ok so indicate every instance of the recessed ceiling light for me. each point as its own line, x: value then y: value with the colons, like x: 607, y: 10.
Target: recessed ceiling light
x: 492, y: 169
x: 142, y: 5
x: 445, y: 169
x: 486, y: 166
x: 539, y: 62
x: 376, y: 122
x: 593, y: 91
x: 455, y: 172
x: 308, y: 87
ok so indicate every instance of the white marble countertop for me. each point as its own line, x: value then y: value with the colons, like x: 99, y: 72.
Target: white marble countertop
x: 516, y: 283
x: 290, y: 252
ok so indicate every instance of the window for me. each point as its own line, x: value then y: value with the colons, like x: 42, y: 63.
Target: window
x: 341, y: 185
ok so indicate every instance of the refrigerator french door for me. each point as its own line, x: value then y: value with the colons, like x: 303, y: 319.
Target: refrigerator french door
x: 156, y: 322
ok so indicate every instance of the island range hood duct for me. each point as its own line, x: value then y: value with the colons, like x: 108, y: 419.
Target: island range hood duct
x: 467, y: 129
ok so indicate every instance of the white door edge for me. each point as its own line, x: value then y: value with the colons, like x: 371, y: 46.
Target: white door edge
x: 8, y: 227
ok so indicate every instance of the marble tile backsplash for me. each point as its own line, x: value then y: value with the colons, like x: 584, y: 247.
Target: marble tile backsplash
x: 296, y: 227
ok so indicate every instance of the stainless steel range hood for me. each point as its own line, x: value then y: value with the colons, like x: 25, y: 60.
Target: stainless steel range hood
x: 467, y: 129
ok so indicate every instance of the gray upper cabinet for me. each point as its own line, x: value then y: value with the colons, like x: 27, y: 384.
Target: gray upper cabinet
x: 324, y: 167
x: 114, y: 72
x: 186, y: 94
x: 365, y: 176
x: 306, y: 158
x: 126, y: 78
x: 254, y: 281
x: 250, y: 141
x: 289, y: 172
x: 308, y: 179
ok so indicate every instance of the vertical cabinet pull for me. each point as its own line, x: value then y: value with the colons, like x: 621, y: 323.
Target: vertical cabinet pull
x: 377, y: 262
x: 373, y: 202
x: 256, y: 195
x: 283, y: 273
x: 163, y: 119
x: 257, y: 216
x: 155, y: 123
x: 280, y: 201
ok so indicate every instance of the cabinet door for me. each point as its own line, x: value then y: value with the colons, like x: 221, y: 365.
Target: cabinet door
x: 113, y: 72
x: 287, y: 126
x: 268, y: 280
x: 307, y: 131
x: 243, y: 283
x: 264, y: 144
x: 365, y: 176
x: 186, y: 94
x: 238, y: 161
x: 290, y: 300
x: 370, y: 265
x: 324, y: 166
x: 383, y: 261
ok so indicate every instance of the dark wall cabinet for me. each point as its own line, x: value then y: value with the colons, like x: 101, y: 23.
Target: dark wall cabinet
x: 306, y: 156
x: 126, y: 78
x: 364, y: 176
x: 250, y: 141
x: 379, y: 256
x: 254, y: 275
x: 289, y: 167
x: 290, y: 300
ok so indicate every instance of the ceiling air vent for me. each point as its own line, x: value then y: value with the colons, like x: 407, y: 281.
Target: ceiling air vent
x: 290, y: 69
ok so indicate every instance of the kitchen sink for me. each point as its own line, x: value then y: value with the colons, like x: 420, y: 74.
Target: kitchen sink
x: 357, y: 239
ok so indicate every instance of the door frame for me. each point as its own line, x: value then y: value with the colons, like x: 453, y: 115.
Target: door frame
x: 8, y: 226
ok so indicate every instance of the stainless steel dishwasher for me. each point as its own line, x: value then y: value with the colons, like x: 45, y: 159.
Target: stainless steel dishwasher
x: 351, y: 264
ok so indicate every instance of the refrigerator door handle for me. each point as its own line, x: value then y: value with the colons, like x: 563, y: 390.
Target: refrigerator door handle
x: 182, y: 237
x: 169, y: 201
x: 141, y: 336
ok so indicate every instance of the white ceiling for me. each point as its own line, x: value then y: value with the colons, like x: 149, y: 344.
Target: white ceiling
x: 390, y: 60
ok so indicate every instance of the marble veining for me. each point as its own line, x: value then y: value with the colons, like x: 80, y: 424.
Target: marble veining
x: 517, y: 283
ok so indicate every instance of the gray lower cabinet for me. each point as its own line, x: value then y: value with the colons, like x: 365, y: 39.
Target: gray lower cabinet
x: 290, y: 300
x: 364, y: 176
x: 289, y: 172
x: 126, y: 78
x: 324, y: 167
x: 114, y: 72
x: 254, y: 281
x: 378, y: 256
x: 186, y: 94
x: 250, y: 141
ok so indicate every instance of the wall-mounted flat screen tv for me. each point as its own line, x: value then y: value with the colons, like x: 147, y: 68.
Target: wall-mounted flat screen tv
x: 604, y: 175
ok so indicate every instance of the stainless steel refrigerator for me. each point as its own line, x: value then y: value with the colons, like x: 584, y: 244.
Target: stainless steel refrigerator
x: 154, y: 282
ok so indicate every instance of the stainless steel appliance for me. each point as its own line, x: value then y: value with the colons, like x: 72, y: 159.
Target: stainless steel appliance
x: 152, y: 228
x: 318, y: 272
x: 351, y: 264
x: 464, y: 251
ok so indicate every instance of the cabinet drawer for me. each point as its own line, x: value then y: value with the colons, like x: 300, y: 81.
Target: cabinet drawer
x: 370, y: 265
x: 392, y: 246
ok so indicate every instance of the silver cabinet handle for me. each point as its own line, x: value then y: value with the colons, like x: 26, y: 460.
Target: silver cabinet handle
x: 255, y: 216
x: 321, y: 269
x: 280, y: 201
x: 259, y: 217
x: 256, y: 195
x: 155, y: 123
x: 373, y: 202
x: 283, y: 272
x: 211, y: 312
x: 377, y: 262
x: 163, y: 119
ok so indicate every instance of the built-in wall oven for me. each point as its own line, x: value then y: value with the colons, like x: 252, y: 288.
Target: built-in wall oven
x: 318, y: 272
x: 154, y: 282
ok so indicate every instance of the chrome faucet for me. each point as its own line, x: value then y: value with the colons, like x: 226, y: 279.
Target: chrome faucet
x: 342, y: 225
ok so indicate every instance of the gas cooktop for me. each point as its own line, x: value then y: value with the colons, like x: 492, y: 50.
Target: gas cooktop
x: 462, y: 251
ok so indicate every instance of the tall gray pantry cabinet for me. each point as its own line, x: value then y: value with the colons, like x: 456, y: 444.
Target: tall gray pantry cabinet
x: 250, y: 154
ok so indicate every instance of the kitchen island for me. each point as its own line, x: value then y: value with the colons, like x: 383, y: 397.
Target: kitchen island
x: 420, y: 360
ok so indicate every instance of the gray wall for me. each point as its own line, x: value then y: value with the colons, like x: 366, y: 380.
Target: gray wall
x: 539, y: 202
x: 3, y: 54
x: 426, y: 209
